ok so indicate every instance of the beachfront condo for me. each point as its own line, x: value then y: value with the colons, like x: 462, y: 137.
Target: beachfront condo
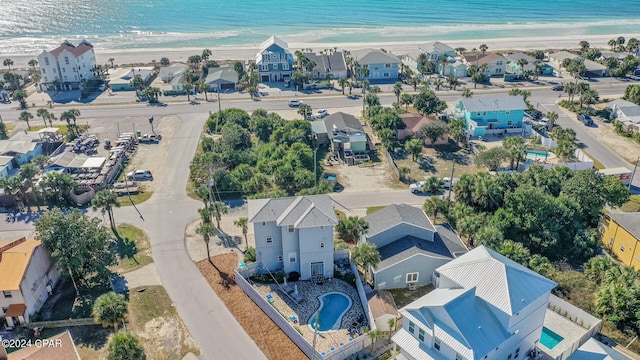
x: 274, y: 61
x: 65, y: 67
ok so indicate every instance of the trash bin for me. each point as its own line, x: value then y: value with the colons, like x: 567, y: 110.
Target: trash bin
x: 138, y: 133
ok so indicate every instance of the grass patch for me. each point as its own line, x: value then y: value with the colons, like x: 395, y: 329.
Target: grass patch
x: 61, y: 128
x: 596, y: 164
x: 340, y: 214
x: 437, y: 161
x: 138, y: 198
x: 372, y: 209
x: 168, y: 339
x: 633, y: 205
x: 404, y: 296
x: 66, y: 304
x: 132, y: 247
x: 9, y: 127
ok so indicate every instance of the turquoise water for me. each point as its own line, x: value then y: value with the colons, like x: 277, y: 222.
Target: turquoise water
x: 549, y: 338
x: 333, y: 306
x: 533, y: 154
x: 27, y: 26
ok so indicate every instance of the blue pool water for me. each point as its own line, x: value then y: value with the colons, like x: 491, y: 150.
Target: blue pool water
x: 533, y: 154
x: 331, y: 178
x: 332, y: 307
x: 549, y: 338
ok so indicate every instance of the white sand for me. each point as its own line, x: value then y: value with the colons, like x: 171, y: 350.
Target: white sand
x: 131, y: 56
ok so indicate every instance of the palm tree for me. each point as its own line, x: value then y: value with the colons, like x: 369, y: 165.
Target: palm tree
x: 125, y: 346
x: 33, y: 63
x: 467, y: 93
x: 26, y: 173
x: 406, y: 100
x: 434, y: 185
x: 553, y: 117
x: 443, y: 62
x: 8, y: 63
x: 218, y: 208
x: 483, y: 48
x: 21, y: 96
x: 374, y: 335
x: 351, y: 228
x: 44, y: 114
x: 414, y: 147
x: 366, y: 256
x: 110, y: 61
x: 243, y: 223
x: 70, y: 115
x: 453, y: 82
x: 437, y: 83
x: 434, y: 205
x: 207, y: 230
x: 397, y: 90
x: 138, y: 84
x: 109, y: 309
x: 106, y: 200
x: 392, y: 327
x: 387, y: 136
x: 342, y: 82
x: 414, y: 81
x: 304, y: 110
x: 187, y: 87
x: 204, y: 88
x: 26, y: 116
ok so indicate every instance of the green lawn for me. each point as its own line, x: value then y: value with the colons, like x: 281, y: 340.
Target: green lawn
x: 439, y: 161
x: 372, y: 209
x: 132, y: 247
x: 138, y: 198
x: 404, y: 296
x: 596, y: 164
x: 633, y: 205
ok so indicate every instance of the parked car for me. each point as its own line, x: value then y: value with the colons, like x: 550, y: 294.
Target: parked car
x: 449, y: 182
x: 585, y: 119
x: 558, y: 88
x: 321, y: 113
x: 544, y: 122
x: 534, y: 114
x: 416, y: 187
x: 140, y: 175
x: 295, y: 103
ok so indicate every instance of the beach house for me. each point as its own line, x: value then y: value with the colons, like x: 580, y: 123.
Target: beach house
x: 28, y: 277
x: 484, y: 307
x: 65, y: 67
x: 485, y: 116
x: 591, y: 68
x: 520, y: 63
x: 328, y: 65
x: 626, y: 113
x: 410, y: 246
x: 435, y: 51
x: 168, y: 73
x: 274, y: 61
x: 120, y: 79
x: 489, y: 64
x: 294, y: 234
x: 376, y: 65
x: 413, y: 123
x: 621, y: 236
x: 222, y: 78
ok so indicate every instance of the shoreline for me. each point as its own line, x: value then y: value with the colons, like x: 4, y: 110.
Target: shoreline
x: 230, y: 52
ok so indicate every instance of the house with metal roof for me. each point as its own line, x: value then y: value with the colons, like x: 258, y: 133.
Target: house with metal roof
x: 294, y: 234
x: 274, y: 60
x: 23, y: 146
x: 593, y: 349
x: 222, y: 78
x: 332, y: 62
x: 484, y: 306
x: 591, y: 67
x: 167, y: 73
x: 410, y: 246
x: 626, y: 112
x: 28, y: 276
x: 120, y: 79
x: 376, y: 65
x: 492, y: 115
x: 490, y: 64
x: 621, y: 236
x: 513, y: 67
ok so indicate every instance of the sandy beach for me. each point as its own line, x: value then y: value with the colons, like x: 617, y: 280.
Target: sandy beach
x: 137, y: 56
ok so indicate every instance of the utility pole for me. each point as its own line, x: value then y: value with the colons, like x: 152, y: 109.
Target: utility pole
x: 219, y: 109
x: 635, y: 167
x: 453, y: 169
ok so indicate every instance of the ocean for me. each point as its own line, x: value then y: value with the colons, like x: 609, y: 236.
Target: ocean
x: 28, y: 26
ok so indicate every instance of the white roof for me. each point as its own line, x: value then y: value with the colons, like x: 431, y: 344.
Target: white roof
x: 498, y: 280
x: 499, y: 103
x: 94, y: 162
x: 593, y: 349
x: 436, y: 46
x: 301, y: 212
x: 48, y: 130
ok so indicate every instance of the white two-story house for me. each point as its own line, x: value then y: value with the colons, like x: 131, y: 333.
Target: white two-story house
x: 64, y: 67
x: 484, y: 307
x: 274, y: 61
x: 294, y: 234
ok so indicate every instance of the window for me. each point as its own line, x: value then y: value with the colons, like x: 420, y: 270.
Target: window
x: 322, y: 245
x: 66, y: 60
x: 290, y: 228
x: 64, y: 70
x: 436, y: 344
x: 509, y: 123
x: 292, y: 257
x: 499, y: 63
x: 412, y: 277
x: 517, y: 353
x: 498, y: 71
x: 264, y: 67
x: 411, y: 327
x: 269, y: 240
x: 65, y: 78
x: 44, y: 71
x: 279, y: 258
x: 285, y: 66
x: 321, y: 227
x: 459, y: 357
x: 622, y: 248
x: 388, y: 66
x: 275, y: 66
x: 611, y: 241
x: 54, y: 71
x: 509, y: 357
x: 265, y: 57
x: 421, y: 334
x: 385, y: 74
x: 7, y: 294
x: 4, y: 310
x: 46, y: 61
x: 484, y: 113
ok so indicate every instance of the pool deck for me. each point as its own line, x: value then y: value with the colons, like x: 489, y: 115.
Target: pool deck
x: 564, y: 327
x: 305, y: 310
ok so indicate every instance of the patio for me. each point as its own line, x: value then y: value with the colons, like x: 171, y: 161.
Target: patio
x: 305, y: 309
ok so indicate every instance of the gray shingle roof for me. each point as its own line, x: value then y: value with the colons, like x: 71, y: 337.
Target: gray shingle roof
x: 628, y: 108
x: 499, y: 103
x: 301, y: 212
x: 630, y: 222
x: 395, y: 214
x: 374, y: 56
x: 221, y: 75
x: 328, y: 62
x: 341, y: 121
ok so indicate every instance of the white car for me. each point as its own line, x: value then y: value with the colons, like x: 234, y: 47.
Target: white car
x: 140, y: 175
x: 295, y: 103
x: 321, y: 113
x: 448, y: 182
x: 416, y: 187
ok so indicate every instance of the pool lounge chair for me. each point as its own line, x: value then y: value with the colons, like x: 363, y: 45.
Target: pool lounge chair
x: 297, y: 297
x: 287, y: 289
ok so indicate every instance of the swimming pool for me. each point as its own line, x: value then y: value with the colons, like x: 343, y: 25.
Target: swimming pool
x: 549, y: 338
x: 333, y: 306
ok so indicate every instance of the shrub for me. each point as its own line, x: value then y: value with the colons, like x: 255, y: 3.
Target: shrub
x: 294, y: 276
x: 250, y: 255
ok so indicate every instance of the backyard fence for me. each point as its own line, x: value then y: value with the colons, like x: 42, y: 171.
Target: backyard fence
x: 341, y: 353
x: 393, y: 164
x: 62, y: 323
x: 546, y: 141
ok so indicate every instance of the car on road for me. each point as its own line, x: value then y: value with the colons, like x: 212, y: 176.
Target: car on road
x: 417, y: 187
x: 321, y: 113
x: 295, y: 103
x: 557, y: 88
x: 140, y: 175
x: 449, y: 182
x: 585, y: 119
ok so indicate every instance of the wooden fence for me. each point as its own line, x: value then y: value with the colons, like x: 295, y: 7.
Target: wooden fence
x: 62, y: 323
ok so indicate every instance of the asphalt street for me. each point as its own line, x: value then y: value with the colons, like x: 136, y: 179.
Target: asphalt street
x: 166, y: 214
